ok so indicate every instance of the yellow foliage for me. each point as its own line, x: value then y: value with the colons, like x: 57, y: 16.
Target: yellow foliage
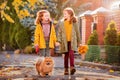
x: 82, y: 49
x: 7, y: 17
x: 111, y: 23
x: 32, y: 2
x: 2, y: 6
x: 23, y: 13
x: 17, y: 2
x: 16, y: 9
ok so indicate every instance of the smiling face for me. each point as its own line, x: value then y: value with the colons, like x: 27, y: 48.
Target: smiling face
x: 46, y: 17
x: 69, y: 14
x: 66, y: 15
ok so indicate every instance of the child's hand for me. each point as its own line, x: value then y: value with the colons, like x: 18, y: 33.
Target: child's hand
x: 57, y: 44
x: 79, y: 45
x: 37, y: 49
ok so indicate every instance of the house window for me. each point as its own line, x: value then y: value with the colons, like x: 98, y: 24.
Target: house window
x: 80, y: 26
x: 93, y: 26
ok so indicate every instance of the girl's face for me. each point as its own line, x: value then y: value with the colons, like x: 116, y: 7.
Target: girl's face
x: 66, y: 15
x: 46, y: 16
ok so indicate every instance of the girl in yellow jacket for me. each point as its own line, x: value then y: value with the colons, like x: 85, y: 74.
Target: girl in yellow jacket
x: 44, y: 36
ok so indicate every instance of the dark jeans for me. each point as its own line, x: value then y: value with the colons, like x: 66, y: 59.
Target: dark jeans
x: 45, y: 52
x: 69, y: 54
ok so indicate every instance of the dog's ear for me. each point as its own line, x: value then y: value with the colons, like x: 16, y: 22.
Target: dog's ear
x: 48, y: 57
x: 38, y: 62
x: 52, y: 61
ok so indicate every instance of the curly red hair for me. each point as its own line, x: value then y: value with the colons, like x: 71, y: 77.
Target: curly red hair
x: 40, y: 15
x: 72, y: 14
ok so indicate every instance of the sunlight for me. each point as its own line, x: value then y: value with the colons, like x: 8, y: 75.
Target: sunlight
x: 115, y: 6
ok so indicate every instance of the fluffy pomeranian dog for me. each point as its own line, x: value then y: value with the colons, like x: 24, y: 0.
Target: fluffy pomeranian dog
x: 45, y: 67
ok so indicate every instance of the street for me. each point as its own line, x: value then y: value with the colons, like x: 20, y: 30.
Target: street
x: 22, y: 67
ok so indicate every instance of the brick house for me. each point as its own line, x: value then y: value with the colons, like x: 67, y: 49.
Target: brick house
x: 98, y: 19
x: 93, y: 20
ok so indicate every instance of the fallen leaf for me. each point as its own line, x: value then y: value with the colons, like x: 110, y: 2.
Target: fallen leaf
x: 8, y: 56
x: 0, y: 72
x: 111, y: 71
x: 80, y: 64
x: 97, y: 68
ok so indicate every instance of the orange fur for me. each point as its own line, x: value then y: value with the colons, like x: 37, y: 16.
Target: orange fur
x: 45, y: 66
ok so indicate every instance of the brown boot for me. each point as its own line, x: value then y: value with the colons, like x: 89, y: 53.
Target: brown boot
x: 66, y: 71
x: 72, y: 70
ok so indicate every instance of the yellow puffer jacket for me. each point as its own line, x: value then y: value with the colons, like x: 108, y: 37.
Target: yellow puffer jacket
x: 39, y: 37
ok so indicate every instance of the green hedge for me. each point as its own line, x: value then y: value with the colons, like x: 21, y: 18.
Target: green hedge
x: 93, y: 53
x: 113, y: 54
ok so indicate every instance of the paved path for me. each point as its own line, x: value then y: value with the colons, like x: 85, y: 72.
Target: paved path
x: 26, y: 69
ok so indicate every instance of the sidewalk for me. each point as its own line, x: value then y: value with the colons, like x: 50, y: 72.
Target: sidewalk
x: 23, y: 69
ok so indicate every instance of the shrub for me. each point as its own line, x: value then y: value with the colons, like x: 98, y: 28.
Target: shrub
x: 23, y: 38
x: 111, y: 34
x: 118, y: 44
x: 93, y: 53
x: 110, y: 40
x: 28, y: 49
x: 93, y: 39
x: 118, y: 39
x: 112, y: 53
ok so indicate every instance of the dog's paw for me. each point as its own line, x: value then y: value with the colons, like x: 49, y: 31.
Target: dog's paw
x: 50, y: 74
